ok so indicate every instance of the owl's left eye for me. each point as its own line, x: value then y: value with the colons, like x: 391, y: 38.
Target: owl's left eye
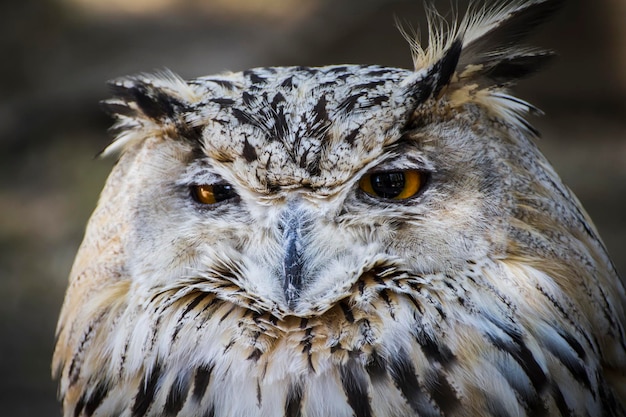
x: 212, y: 193
x: 395, y: 185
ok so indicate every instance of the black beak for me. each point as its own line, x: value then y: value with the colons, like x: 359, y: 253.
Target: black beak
x: 293, y: 226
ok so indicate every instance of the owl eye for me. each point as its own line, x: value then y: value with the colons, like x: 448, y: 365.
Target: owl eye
x: 396, y: 185
x: 212, y: 193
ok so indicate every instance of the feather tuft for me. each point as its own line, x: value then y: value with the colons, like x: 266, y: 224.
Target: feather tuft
x: 489, y: 56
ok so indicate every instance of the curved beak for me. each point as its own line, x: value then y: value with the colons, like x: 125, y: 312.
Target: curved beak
x: 295, y: 226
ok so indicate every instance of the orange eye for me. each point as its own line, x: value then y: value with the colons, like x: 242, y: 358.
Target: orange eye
x: 395, y: 185
x: 212, y: 193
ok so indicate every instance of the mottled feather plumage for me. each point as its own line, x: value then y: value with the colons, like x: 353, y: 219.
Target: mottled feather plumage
x: 487, y: 293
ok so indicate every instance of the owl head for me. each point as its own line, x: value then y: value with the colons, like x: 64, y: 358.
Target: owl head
x: 287, y: 184
x: 248, y: 207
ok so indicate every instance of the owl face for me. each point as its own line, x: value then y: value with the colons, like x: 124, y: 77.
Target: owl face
x: 322, y: 163
x: 342, y: 241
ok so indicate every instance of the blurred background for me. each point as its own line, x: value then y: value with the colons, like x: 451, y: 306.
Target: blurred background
x: 57, y: 55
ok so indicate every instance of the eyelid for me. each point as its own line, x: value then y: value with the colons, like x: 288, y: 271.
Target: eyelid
x: 199, y: 173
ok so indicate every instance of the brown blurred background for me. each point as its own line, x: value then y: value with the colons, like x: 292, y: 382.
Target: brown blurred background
x: 57, y: 54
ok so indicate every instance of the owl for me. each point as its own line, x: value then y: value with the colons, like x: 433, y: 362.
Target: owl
x: 346, y: 240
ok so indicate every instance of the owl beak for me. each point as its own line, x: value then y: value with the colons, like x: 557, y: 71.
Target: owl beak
x: 293, y: 225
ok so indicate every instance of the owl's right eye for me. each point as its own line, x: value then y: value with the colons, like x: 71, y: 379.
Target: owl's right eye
x: 394, y: 185
x: 212, y: 193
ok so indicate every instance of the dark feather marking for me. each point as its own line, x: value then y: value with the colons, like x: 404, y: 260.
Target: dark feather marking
x: 293, y: 402
x: 255, y: 355
x: 415, y: 303
x: 153, y: 102
x: 335, y: 347
x: 513, y: 68
x: 306, y: 346
x: 147, y: 390
x: 223, y: 102
x: 438, y: 76
x: 223, y: 83
x: 611, y: 404
x: 192, y: 133
x: 347, y: 312
x: 434, y: 351
x: 321, y: 114
x: 563, y: 312
x: 288, y: 82
x: 95, y: 399
x: 230, y: 344
x: 80, y: 405
x: 308, y: 70
x: 230, y: 310
x: 281, y: 127
x: 377, y: 101
x: 259, y: 396
x: 350, y: 137
x: 278, y: 98
x: 210, y: 412
x: 201, y: 381
x: 337, y: 70
x: 510, y: 31
x: 376, y: 367
x: 520, y: 352
x: 247, y: 98
x: 344, y: 77
x: 369, y: 85
x: 177, y: 396
x: 246, y: 118
x: 445, y: 67
x: 560, y: 402
x: 575, y: 366
x: 355, y: 386
x: 574, y: 344
x: 77, y: 359
x: 313, y: 168
x: 535, y: 406
x: 530, y: 128
x: 193, y: 304
x: 377, y: 72
x: 383, y: 294
x: 443, y: 394
x: 361, y: 286
x: 533, y: 110
x: 157, y: 105
x: 209, y: 306
x: 367, y: 335
x: 403, y: 374
x: 348, y: 104
x: 607, y: 310
x: 248, y: 151
x: 435, y: 303
x: 254, y: 77
x: 530, y: 399
x: 303, y: 158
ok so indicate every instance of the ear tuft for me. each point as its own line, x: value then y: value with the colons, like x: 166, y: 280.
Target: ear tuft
x: 479, y: 57
x: 148, y: 105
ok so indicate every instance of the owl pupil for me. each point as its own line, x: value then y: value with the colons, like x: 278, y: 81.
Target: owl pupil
x: 388, y: 184
x: 223, y: 192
